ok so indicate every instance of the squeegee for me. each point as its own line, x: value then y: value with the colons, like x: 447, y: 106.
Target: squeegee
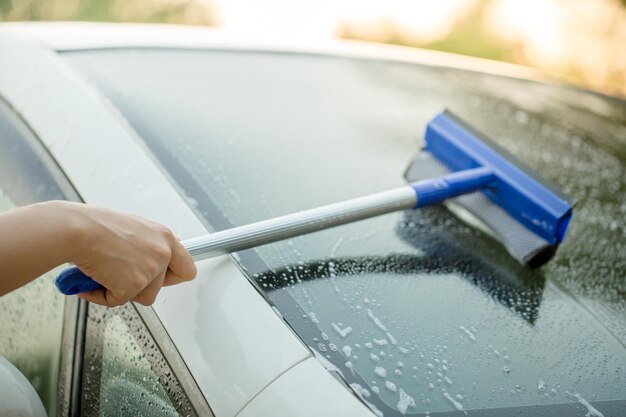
x: 523, y: 211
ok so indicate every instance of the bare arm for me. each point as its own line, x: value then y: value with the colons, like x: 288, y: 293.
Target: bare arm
x: 130, y: 256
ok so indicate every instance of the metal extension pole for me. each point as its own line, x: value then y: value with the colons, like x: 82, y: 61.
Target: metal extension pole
x: 307, y: 221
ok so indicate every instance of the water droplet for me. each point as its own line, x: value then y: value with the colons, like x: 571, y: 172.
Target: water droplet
x: 380, y: 342
x: 541, y: 385
x: 404, y: 402
x: 347, y: 351
x: 456, y: 404
x: 391, y: 386
x: 468, y: 333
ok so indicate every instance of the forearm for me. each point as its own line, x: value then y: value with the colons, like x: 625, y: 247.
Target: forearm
x: 34, y: 239
x: 131, y: 257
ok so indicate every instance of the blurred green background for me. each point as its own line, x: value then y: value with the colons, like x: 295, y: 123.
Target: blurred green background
x: 581, y: 41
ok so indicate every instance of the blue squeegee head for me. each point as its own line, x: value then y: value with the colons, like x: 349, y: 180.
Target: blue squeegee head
x: 528, y: 214
x: 519, y: 191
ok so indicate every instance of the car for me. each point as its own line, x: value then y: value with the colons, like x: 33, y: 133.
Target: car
x: 411, y: 313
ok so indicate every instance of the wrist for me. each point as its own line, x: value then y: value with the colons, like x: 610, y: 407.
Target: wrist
x: 71, y: 223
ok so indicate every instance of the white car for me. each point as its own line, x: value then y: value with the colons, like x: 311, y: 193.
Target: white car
x: 409, y: 313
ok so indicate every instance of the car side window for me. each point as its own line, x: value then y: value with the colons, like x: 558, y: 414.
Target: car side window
x: 31, y: 317
x: 124, y: 370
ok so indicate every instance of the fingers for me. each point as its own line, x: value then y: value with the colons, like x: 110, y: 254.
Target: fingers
x: 181, y: 264
x: 146, y: 297
x: 149, y: 294
x: 172, y: 279
x: 101, y: 296
x: 133, y: 260
x: 108, y: 298
x: 95, y: 296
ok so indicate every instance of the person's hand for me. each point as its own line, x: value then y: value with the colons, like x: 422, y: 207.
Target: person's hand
x: 131, y: 257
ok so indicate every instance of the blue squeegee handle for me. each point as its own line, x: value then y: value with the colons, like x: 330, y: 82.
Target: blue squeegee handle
x: 74, y: 281
x: 437, y: 190
x: 418, y: 194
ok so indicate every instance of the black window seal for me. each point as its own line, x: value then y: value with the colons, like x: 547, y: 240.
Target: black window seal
x: 70, y: 372
x: 174, y: 360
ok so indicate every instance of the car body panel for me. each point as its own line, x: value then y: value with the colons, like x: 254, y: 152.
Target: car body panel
x: 306, y: 390
x: 90, y: 142
x: 98, y: 154
x: 239, y: 344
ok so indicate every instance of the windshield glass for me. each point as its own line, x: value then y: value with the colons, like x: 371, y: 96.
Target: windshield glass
x: 418, y: 312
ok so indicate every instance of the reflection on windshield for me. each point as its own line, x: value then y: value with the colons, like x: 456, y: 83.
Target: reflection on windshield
x: 517, y: 288
x: 419, y: 312
x: 430, y: 335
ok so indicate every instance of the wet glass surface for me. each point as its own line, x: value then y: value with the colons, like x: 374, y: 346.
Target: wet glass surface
x: 418, y: 312
x: 124, y: 372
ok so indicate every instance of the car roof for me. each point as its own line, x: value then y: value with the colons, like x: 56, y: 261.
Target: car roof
x: 66, y: 36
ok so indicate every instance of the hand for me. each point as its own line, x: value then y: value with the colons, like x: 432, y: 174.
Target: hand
x: 131, y: 257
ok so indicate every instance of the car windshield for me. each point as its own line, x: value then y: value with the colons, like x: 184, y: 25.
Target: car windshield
x: 418, y: 312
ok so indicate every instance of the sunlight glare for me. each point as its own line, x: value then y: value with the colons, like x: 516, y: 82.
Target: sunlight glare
x: 534, y: 22
x: 421, y: 20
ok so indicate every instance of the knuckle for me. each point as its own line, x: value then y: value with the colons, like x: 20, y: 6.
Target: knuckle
x: 162, y: 253
x: 114, y: 301
x: 163, y: 231
x: 169, y: 235
x: 153, y: 269
x: 137, y: 284
x: 146, y: 298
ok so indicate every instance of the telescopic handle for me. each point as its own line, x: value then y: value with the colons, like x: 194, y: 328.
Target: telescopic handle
x: 73, y: 281
x: 418, y: 194
x: 299, y: 223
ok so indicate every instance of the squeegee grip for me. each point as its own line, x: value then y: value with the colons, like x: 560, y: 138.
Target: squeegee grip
x: 434, y: 191
x: 73, y: 281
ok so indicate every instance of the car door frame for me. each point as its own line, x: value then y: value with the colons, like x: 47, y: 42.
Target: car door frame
x: 76, y: 310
